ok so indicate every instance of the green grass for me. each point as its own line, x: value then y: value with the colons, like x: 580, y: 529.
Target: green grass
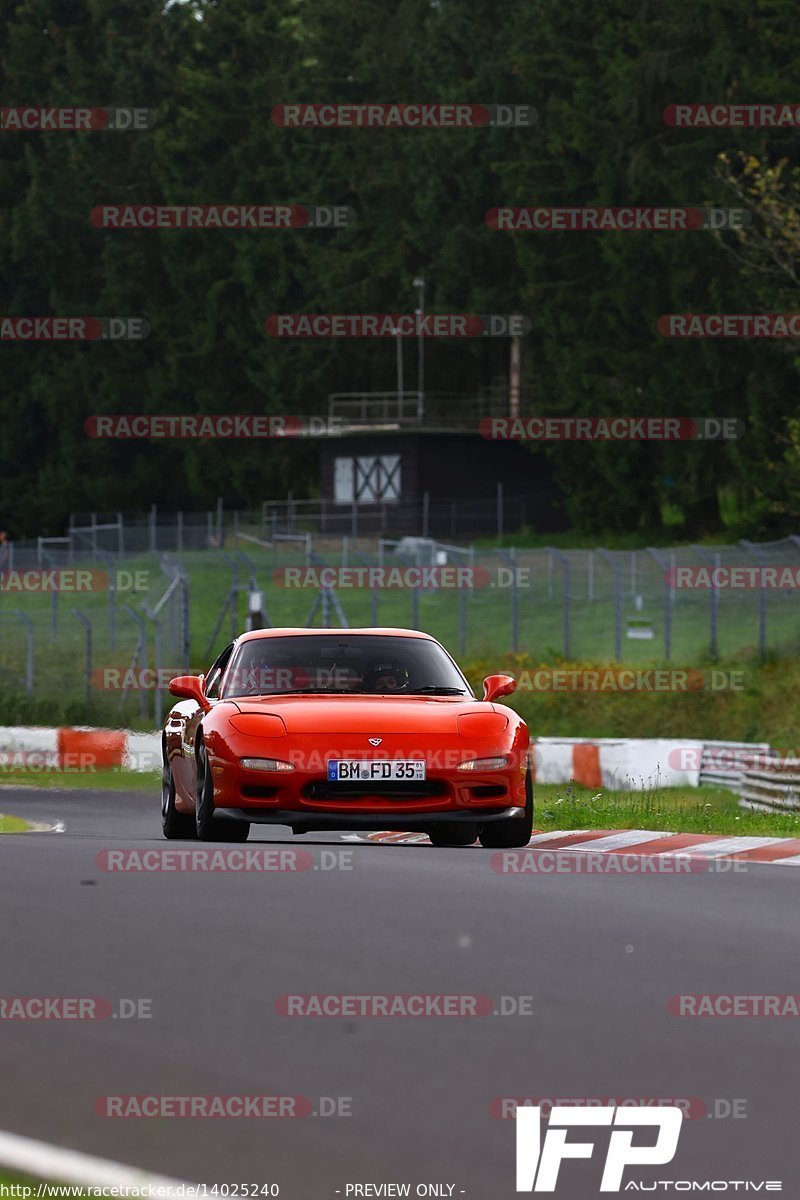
x: 678, y: 810
x: 13, y: 825
x: 115, y: 779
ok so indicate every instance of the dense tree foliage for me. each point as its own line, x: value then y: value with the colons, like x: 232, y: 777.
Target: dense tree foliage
x: 600, y: 77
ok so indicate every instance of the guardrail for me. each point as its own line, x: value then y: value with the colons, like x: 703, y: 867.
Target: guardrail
x: 771, y: 787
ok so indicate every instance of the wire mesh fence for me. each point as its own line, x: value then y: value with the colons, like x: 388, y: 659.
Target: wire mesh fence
x: 167, y: 593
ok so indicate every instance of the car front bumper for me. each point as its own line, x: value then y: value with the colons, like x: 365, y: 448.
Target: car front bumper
x: 397, y: 819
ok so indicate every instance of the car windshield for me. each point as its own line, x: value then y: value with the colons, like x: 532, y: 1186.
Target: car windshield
x: 339, y: 664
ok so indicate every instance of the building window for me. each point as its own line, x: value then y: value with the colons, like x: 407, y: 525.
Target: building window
x: 367, y: 479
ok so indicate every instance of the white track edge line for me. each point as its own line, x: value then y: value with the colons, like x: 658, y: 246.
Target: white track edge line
x: 42, y: 1160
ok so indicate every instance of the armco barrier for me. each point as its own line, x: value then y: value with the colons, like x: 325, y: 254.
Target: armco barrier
x: 771, y: 787
x: 723, y: 762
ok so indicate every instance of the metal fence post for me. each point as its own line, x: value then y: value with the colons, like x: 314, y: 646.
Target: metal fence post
x: 565, y: 590
x: 112, y: 612
x: 28, y: 623
x: 84, y: 620
x: 668, y: 578
x: 615, y: 566
x: 185, y: 647
x: 158, y: 703
x: 762, y: 603
x: 512, y: 557
x: 714, y: 613
x: 141, y: 651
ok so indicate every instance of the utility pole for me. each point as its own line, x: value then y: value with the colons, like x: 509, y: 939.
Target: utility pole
x: 419, y: 283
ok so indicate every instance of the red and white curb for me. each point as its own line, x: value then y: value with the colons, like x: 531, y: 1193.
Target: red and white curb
x: 41, y: 1160
x: 651, y: 843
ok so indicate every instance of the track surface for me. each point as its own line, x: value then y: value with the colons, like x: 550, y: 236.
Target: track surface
x: 599, y: 955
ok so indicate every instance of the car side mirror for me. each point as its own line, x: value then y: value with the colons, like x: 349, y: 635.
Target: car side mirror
x: 495, y: 686
x: 191, y: 688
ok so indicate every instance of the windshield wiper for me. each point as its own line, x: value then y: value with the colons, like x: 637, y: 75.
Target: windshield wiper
x: 433, y: 689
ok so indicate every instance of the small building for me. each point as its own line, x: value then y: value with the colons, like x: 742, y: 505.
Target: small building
x: 390, y: 468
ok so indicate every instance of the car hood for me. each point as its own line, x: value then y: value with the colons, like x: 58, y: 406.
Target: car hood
x: 362, y: 714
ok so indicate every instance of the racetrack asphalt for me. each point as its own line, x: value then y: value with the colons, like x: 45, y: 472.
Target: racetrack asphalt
x: 599, y: 955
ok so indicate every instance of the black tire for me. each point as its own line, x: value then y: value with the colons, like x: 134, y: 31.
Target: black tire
x: 516, y: 831
x: 453, y: 833
x: 209, y: 827
x: 173, y: 823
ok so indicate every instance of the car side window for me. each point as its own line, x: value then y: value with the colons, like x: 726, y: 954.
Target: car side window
x: 215, y: 673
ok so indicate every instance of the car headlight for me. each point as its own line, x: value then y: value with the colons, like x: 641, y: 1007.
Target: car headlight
x: 484, y: 764
x: 265, y: 764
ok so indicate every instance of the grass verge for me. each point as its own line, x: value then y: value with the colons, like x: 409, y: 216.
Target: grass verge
x: 678, y: 810
x: 116, y: 779
x: 13, y: 825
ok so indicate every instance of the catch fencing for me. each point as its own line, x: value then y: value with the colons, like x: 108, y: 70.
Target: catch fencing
x: 179, y: 587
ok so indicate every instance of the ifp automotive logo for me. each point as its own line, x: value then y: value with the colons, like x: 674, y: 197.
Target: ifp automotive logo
x: 538, y: 1161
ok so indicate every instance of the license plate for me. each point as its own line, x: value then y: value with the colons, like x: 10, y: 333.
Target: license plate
x: 374, y: 770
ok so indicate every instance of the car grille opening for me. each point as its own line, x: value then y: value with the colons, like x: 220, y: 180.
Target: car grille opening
x: 405, y: 789
x: 486, y: 790
x: 254, y: 792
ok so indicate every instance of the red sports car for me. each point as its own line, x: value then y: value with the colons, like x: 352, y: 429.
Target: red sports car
x: 345, y: 729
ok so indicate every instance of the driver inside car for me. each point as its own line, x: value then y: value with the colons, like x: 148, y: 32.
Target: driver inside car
x: 385, y: 676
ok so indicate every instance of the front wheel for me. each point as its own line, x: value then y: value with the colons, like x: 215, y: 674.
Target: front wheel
x: 516, y: 831
x: 173, y: 823
x: 453, y: 833
x: 210, y: 828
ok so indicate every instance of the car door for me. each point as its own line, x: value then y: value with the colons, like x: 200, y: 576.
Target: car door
x: 188, y: 715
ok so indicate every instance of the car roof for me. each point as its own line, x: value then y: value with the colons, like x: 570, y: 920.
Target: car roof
x: 257, y: 634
